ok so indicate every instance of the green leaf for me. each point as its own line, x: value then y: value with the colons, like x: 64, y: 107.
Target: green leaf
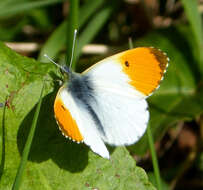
x: 70, y: 33
x: 154, y: 158
x: 58, y: 38
x: 54, y: 44
x: 152, y: 178
x: 194, y: 17
x: 54, y: 162
x: 92, y: 29
x: 9, y: 32
x: 13, y: 8
x: 178, y: 97
x: 21, y: 81
x: 199, y: 162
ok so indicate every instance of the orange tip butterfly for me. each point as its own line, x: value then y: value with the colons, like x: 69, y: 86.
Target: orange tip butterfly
x: 107, y: 102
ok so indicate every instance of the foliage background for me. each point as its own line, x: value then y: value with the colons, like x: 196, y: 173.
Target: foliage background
x: 33, y: 28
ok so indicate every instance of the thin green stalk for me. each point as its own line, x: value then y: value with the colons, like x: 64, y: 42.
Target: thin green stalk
x: 154, y: 158
x: 57, y: 39
x: 3, y: 141
x: 130, y: 43
x: 92, y: 28
x: 195, y: 20
x: 54, y: 43
x: 28, y: 143
x: 72, y: 25
x: 151, y: 144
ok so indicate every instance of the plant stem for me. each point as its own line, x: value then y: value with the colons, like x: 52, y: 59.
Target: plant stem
x: 130, y: 42
x: 28, y: 143
x: 72, y: 25
x: 154, y: 158
x: 3, y: 140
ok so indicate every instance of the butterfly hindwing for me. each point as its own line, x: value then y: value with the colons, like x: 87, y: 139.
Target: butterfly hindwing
x: 78, y: 123
x: 123, y: 119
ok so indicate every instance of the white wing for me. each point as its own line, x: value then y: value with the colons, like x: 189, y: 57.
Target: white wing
x: 107, y: 74
x: 85, y: 124
x: 121, y: 83
x: 117, y: 111
x: 124, y: 119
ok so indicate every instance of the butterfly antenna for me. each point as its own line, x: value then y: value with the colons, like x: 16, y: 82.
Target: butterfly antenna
x: 65, y: 69
x: 61, y: 67
x: 73, y: 48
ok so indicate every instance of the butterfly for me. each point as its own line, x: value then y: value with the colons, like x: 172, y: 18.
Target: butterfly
x: 107, y: 102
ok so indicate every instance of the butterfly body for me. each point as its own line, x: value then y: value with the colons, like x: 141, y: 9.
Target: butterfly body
x: 107, y: 103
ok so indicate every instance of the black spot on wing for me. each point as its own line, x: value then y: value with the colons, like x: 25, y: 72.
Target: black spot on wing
x: 127, y: 64
x: 63, y: 107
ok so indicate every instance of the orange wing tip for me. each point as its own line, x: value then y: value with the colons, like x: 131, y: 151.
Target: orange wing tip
x: 66, y: 122
x: 145, y: 67
x: 161, y: 57
x: 164, y: 71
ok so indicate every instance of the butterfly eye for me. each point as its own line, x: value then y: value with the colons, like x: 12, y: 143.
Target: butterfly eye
x: 127, y: 64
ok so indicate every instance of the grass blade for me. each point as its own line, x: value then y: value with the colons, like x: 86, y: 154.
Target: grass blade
x: 21, y: 7
x: 194, y: 18
x: 92, y: 29
x: 54, y: 44
x: 28, y: 143
x: 3, y: 141
x: 151, y: 144
x: 87, y: 10
x: 7, y: 3
x: 72, y: 25
x: 58, y: 39
x: 154, y: 158
x: 130, y: 43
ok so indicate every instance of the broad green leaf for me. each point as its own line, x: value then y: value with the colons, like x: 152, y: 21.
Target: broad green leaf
x: 21, y: 81
x: 54, y: 162
x: 178, y: 97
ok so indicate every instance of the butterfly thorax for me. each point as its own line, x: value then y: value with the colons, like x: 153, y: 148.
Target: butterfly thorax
x: 80, y: 87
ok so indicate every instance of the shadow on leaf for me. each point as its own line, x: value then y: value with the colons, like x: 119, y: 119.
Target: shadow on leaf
x: 48, y: 142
